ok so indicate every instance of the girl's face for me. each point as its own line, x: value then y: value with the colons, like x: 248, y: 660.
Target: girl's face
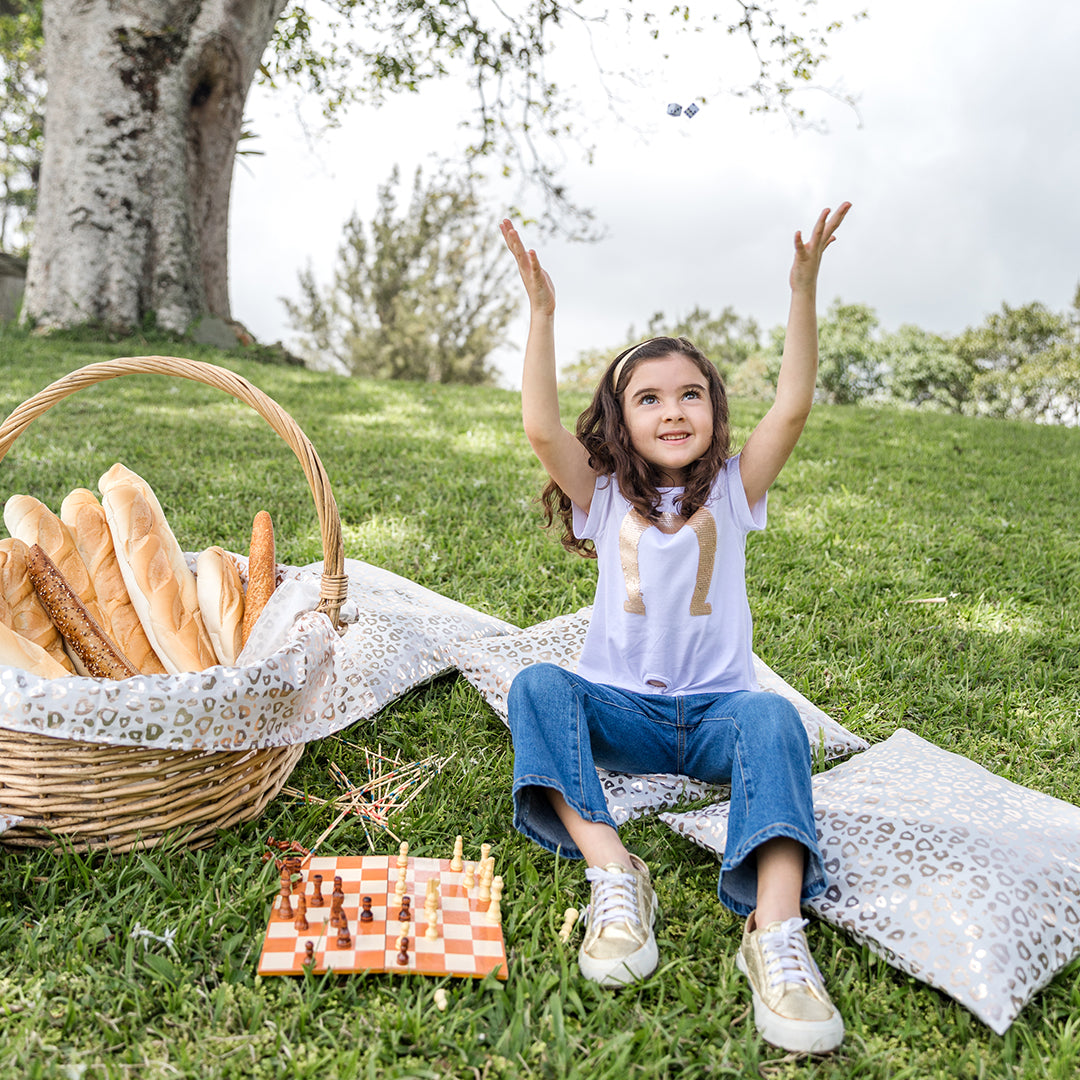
x: 669, y: 415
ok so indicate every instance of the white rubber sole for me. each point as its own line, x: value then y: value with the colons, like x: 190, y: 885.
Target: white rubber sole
x: 622, y: 971
x: 797, y: 1036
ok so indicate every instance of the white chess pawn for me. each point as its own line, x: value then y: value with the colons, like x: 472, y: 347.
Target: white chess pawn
x: 569, y: 919
x: 494, y: 911
x: 459, y: 848
x: 468, y: 879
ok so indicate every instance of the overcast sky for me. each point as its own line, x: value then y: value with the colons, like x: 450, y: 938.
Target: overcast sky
x: 963, y: 165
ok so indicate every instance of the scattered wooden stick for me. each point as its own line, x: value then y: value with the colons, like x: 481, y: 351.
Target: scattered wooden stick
x: 383, y: 793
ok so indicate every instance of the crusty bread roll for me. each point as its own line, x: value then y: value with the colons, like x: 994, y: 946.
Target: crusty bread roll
x: 16, y: 651
x: 160, y: 585
x: 32, y: 522
x: 221, y: 601
x: 85, y: 517
x: 86, y: 638
x: 262, y: 571
x: 25, y: 615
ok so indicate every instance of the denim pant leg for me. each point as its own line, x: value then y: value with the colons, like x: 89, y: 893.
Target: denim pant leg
x: 771, y: 794
x: 557, y: 720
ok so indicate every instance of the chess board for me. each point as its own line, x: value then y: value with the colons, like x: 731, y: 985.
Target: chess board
x: 467, y: 944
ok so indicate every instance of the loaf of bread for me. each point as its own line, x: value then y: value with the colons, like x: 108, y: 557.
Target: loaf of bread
x: 16, y: 651
x: 84, y: 636
x: 121, y: 477
x: 160, y: 585
x: 221, y: 602
x: 32, y: 522
x: 262, y: 571
x: 85, y: 518
x: 23, y: 611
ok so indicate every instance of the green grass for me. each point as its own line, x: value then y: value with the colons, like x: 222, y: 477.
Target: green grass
x: 877, y: 508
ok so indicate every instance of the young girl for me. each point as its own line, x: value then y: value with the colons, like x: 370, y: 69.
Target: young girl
x: 650, y: 487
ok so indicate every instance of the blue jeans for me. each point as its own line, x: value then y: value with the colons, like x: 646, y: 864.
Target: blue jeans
x: 563, y: 726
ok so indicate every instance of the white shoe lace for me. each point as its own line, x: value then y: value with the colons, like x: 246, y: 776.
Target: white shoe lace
x: 787, y: 958
x: 614, y: 898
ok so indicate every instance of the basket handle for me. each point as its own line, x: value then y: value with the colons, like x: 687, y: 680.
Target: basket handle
x: 334, y: 582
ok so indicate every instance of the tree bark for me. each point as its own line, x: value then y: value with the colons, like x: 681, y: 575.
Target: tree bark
x: 122, y: 232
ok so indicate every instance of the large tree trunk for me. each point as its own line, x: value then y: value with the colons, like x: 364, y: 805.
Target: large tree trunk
x: 134, y: 89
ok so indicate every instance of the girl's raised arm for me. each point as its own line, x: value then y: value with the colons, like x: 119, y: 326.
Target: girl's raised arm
x: 772, y: 441
x: 564, y: 458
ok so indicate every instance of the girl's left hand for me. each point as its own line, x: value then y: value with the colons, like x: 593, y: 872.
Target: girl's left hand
x: 804, y: 270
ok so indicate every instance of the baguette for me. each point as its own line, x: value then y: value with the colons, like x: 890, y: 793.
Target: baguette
x: 221, y: 602
x: 17, y: 651
x: 32, y: 522
x: 262, y: 572
x: 161, y: 587
x: 121, y: 478
x: 83, y: 634
x: 26, y: 616
x: 85, y: 517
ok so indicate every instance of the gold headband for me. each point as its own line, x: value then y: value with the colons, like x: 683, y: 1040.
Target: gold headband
x: 622, y: 363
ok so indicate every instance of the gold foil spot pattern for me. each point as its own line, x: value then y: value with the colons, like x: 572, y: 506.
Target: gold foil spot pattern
x: 634, y: 526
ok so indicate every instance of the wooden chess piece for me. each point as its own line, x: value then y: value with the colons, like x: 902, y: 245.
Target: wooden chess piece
x: 494, y: 911
x: 284, y: 905
x: 343, y: 939
x: 317, y: 897
x: 295, y: 875
x: 468, y: 880
x: 405, y: 914
x: 309, y: 953
x: 301, y: 922
x: 456, y: 862
x: 337, y: 912
x: 365, y: 911
x: 403, y: 954
x: 570, y: 917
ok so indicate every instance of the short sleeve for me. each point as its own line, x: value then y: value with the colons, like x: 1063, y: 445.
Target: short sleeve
x: 748, y: 518
x: 587, y: 524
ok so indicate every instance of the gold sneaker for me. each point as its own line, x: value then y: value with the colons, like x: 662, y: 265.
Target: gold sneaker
x: 619, y: 946
x: 792, y: 1009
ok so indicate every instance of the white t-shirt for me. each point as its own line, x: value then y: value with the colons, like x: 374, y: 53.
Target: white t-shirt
x: 671, y: 614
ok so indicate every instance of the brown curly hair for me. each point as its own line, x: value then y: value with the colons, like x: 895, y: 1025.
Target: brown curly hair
x: 604, y: 434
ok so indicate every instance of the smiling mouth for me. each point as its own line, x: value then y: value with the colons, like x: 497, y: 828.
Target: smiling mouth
x: 677, y: 437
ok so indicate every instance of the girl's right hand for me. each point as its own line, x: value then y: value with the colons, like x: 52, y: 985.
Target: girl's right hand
x: 534, y: 277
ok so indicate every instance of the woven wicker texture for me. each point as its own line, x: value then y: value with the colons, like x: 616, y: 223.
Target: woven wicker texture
x: 90, y: 796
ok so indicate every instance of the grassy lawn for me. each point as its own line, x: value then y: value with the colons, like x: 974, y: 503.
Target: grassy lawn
x: 878, y: 508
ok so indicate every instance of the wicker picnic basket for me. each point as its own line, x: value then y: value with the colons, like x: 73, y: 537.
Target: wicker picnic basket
x: 91, y: 796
